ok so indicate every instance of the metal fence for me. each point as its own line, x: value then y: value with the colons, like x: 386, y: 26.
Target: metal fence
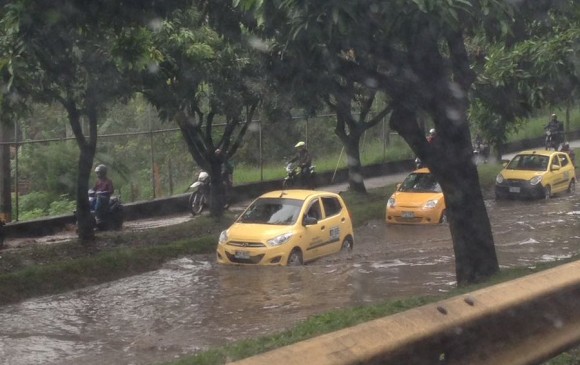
x: 155, y: 163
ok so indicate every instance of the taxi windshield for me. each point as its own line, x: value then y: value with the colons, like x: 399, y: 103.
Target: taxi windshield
x: 529, y: 162
x: 420, y: 183
x: 278, y: 211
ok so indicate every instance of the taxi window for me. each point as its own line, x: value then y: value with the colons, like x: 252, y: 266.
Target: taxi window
x: 273, y: 211
x: 314, y: 210
x: 331, y: 206
x: 555, y: 161
x: 563, y: 159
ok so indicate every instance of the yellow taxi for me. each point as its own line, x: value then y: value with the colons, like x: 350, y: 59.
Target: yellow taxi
x: 417, y: 200
x: 536, y: 174
x: 288, y: 227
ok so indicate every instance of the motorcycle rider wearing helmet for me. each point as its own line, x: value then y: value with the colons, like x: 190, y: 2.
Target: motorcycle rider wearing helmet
x: 103, y: 188
x: 566, y: 148
x: 304, y: 160
x: 431, y: 136
x: 556, y: 129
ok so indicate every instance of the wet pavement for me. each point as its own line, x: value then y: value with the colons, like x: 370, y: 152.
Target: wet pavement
x: 193, y: 303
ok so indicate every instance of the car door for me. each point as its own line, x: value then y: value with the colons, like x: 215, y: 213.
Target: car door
x: 566, y: 172
x: 334, y: 219
x: 558, y: 178
x: 314, y: 230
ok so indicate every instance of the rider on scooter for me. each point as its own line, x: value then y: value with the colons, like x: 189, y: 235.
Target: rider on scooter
x: 103, y: 189
x: 304, y: 161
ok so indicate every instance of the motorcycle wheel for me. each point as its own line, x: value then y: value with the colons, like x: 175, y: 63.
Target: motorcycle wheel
x: 196, y: 202
x: 116, y: 220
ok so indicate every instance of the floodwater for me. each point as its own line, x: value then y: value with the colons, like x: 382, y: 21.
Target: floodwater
x: 193, y: 303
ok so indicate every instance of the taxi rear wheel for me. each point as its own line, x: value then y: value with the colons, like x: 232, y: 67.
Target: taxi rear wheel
x: 295, y: 258
x: 347, y: 245
x: 572, y: 187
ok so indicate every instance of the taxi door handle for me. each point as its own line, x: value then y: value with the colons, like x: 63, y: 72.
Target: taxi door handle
x: 322, y: 228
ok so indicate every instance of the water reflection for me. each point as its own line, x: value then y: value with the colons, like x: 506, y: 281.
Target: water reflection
x: 192, y: 303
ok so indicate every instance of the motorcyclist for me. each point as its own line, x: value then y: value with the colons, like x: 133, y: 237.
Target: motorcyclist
x: 304, y: 161
x: 556, y: 129
x: 103, y: 189
x: 432, y: 135
x: 566, y: 148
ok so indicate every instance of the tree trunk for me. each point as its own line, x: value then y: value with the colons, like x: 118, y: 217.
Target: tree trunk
x: 217, y: 194
x: 85, y: 222
x: 6, y: 132
x: 355, y: 176
x: 449, y: 158
x: 475, y: 257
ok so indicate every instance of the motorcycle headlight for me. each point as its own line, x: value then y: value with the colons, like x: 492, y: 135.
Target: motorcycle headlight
x: 280, y: 240
x: 536, y: 180
x: 391, y: 203
x: 223, y: 237
x: 499, y: 178
x: 431, y: 204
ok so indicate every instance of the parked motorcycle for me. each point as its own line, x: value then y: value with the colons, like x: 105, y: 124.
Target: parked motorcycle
x: 109, y: 212
x: 199, y: 197
x: 296, y: 178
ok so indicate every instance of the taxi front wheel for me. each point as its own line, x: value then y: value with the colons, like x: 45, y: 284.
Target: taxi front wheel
x: 295, y: 258
x: 547, y: 192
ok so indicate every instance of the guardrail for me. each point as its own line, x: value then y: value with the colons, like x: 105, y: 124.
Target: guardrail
x: 520, y: 322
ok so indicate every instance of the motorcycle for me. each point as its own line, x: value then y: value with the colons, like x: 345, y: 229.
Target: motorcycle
x: 109, y: 214
x: 552, y: 140
x: 297, y: 178
x: 199, y: 197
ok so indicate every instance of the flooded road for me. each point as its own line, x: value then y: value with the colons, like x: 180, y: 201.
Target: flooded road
x: 193, y: 303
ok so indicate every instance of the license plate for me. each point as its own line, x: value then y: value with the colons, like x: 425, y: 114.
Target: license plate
x: 514, y: 189
x: 242, y: 255
x: 408, y: 215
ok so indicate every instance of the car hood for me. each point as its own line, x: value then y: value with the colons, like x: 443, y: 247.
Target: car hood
x: 256, y: 232
x: 414, y: 200
x: 520, y: 174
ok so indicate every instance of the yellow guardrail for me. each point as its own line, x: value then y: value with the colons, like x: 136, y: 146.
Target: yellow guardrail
x: 524, y: 321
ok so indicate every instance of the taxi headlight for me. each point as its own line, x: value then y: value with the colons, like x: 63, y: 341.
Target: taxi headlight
x: 499, y: 178
x: 280, y: 240
x: 391, y: 203
x: 536, y: 180
x: 223, y: 237
x: 431, y: 204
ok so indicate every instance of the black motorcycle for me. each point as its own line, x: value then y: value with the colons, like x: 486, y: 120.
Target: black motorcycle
x: 108, y: 213
x: 553, y: 140
x: 296, y: 178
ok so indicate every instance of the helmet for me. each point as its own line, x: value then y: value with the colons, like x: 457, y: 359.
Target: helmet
x: 300, y: 144
x: 432, y: 131
x: 553, y: 115
x: 101, y: 169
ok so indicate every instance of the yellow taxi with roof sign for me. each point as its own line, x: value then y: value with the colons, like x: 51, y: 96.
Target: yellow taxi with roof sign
x: 417, y: 200
x: 536, y: 174
x: 288, y: 227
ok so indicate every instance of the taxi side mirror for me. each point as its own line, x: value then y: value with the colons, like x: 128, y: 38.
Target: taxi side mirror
x: 555, y: 167
x: 309, y: 221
